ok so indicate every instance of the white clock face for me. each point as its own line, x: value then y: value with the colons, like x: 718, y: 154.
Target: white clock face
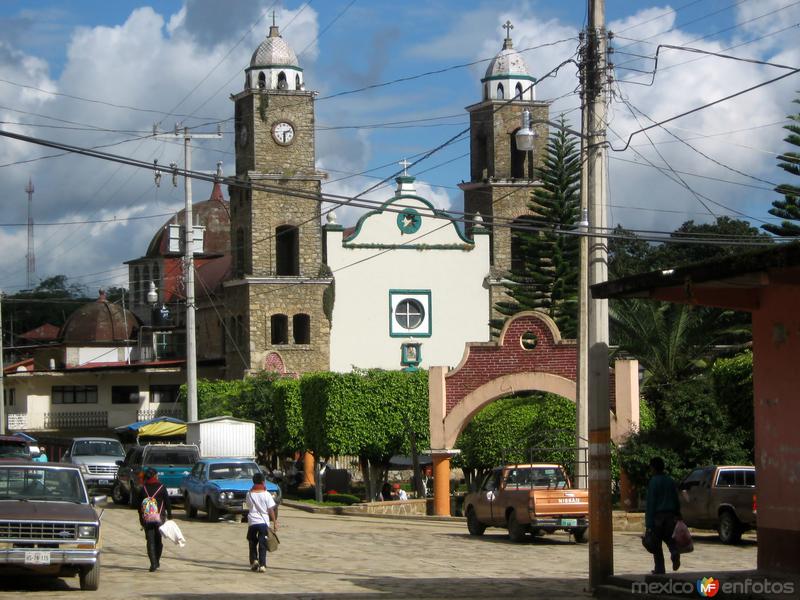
x: 283, y: 132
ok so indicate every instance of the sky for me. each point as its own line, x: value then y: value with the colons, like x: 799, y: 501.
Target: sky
x: 97, y: 73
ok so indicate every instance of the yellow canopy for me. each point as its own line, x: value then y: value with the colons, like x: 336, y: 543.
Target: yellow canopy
x: 162, y: 429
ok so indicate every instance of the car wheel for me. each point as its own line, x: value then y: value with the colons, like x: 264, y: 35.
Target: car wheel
x: 581, y: 535
x: 474, y: 526
x: 516, y: 531
x: 212, y: 511
x: 730, y: 531
x: 118, y: 495
x: 90, y: 577
x: 191, y: 511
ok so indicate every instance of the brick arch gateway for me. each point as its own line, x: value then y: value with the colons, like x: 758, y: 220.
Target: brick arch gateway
x: 530, y: 355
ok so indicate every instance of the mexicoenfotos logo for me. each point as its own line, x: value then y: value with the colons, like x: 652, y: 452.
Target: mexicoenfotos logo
x: 707, y: 587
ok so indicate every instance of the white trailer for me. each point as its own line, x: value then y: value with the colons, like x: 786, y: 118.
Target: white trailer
x: 223, y: 437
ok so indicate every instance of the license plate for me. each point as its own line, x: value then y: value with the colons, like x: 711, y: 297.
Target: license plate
x: 173, y: 491
x: 244, y: 505
x: 569, y: 522
x: 37, y: 558
x: 102, y: 482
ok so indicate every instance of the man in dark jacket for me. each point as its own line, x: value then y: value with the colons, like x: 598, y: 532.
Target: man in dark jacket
x: 153, y: 490
x: 662, y: 514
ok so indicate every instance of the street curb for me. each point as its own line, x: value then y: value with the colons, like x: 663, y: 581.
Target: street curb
x: 346, y: 511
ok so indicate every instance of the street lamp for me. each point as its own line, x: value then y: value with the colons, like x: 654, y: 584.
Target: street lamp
x: 152, y: 295
x: 525, y: 136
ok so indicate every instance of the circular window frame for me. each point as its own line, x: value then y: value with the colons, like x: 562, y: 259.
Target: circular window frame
x: 529, y: 341
x: 415, y: 224
x: 416, y: 304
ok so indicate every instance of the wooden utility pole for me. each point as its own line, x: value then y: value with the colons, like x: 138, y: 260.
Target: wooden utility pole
x: 601, y: 551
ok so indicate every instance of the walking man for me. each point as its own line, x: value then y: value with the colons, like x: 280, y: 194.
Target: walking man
x: 662, y: 514
x: 260, y: 513
x: 153, y: 502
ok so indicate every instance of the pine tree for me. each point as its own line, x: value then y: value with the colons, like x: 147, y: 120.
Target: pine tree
x: 788, y: 209
x: 546, y: 276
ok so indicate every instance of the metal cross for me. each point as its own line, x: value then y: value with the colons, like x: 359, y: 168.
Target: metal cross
x: 508, y: 27
x: 273, y: 18
x: 405, y: 164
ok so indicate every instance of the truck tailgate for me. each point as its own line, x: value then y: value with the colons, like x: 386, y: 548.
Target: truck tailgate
x: 560, y: 502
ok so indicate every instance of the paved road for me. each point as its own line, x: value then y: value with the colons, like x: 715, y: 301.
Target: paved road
x: 367, y: 558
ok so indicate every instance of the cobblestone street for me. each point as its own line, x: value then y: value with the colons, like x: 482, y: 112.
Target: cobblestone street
x: 358, y: 557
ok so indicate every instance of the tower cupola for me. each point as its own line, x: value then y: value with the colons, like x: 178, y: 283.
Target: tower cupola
x: 507, y: 76
x: 274, y: 65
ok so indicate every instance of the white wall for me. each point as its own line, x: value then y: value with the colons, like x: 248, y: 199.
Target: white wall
x: 360, y: 334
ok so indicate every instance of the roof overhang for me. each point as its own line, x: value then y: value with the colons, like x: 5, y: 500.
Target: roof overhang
x: 732, y: 282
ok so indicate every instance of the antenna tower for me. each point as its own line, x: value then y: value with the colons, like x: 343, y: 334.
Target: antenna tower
x: 30, y: 256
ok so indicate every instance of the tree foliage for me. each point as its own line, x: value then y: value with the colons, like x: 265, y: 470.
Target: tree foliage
x: 788, y: 209
x: 545, y: 277
x: 733, y: 387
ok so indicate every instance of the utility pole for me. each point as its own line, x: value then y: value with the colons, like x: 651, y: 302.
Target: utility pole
x: 30, y: 257
x: 2, y: 373
x: 601, y: 551
x: 188, y: 266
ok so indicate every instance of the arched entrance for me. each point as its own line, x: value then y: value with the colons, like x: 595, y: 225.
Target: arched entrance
x: 528, y: 356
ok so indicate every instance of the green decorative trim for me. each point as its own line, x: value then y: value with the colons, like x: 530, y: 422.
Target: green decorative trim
x: 409, y: 221
x: 405, y: 179
x: 292, y: 67
x: 508, y: 76
x: 436, y: 213
x: 463, y: 247
x: 429, y: 309
x: 334, y: 227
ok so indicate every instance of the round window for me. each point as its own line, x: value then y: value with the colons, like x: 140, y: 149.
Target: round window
x: 409, y: 314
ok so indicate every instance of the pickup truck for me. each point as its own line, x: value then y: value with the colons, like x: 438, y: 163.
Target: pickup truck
x: 172, y: 462
x: 97, y: 458
x: 48, y: 525
x: 219, y: 486
x: 721, y: 498
x: 528, y: 499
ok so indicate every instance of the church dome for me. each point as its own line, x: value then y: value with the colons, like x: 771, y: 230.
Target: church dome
x: 99, y: 321
x: 273, y: 51
x: 507, y: 77
x: 507, y: 62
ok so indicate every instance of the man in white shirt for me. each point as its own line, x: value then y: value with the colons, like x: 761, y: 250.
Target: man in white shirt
x: 260, y: 512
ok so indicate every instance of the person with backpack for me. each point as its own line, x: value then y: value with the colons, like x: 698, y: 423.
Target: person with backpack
x: 154, y: 510
x: 260, y: 512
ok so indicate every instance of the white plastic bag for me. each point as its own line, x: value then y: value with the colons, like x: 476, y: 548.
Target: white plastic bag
x: 172, y: 532
x: 683, y: 539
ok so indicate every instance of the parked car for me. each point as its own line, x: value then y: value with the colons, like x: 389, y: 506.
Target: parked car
x: 47, y: 522
x: 97, y: 458
x: 14, y: 448
x: 172, y: 462
x: 527, y: 499
x: 721, y: 498
x: 219, y: 486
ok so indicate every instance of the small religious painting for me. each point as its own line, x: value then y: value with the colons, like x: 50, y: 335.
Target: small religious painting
x: 411, y: 354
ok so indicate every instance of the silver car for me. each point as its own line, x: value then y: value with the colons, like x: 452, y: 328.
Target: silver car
x: 97, y: 458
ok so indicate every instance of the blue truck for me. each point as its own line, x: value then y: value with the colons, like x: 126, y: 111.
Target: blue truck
x: 172, y: 462
x: 219, y: 486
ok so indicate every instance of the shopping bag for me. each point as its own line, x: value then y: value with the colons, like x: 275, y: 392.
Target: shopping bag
x: 172, y: 532
x: 272, y: 540
x: 683, y: 539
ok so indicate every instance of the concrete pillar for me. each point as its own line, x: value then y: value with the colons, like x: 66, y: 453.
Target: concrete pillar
x: 308, y: 470
x: 626, y: 394
x: 441, y: 485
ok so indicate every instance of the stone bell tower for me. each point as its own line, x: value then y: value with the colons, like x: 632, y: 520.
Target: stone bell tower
x: 278, y: 287
x: 502, y: 178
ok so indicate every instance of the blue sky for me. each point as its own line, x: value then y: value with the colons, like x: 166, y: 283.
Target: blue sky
x: 188, y: 57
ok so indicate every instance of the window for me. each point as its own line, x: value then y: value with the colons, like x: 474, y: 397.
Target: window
x: 486, y: 91
x: 492, y: 481
x: 282, y: 85
x: 301, y: 329
x: 124, y: 394
x: 74, y: 394
x: 735, y: 478
x: 517, y: 159
x: 500, y: 91
x: 164, y: 393
x: 262, y: 80
x: 10, y: 396
x: 145, y: 284
x: 170, y: 456
x: 174, y: 238
x: 287, y: 245
x: 297, y: 82
x: 750, y: 477
x: 97, y: 448
x: 156, y: 277
x: 239, y: 243
x: 518, y: 92
x: 409, y: 314
x: 135, y: 285
x: 279, y: 324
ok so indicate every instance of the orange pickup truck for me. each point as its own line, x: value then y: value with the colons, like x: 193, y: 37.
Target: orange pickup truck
x: 527, y: 499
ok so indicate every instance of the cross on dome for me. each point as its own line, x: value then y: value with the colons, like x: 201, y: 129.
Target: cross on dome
x: 405, y: 164
x: 508, y: 27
